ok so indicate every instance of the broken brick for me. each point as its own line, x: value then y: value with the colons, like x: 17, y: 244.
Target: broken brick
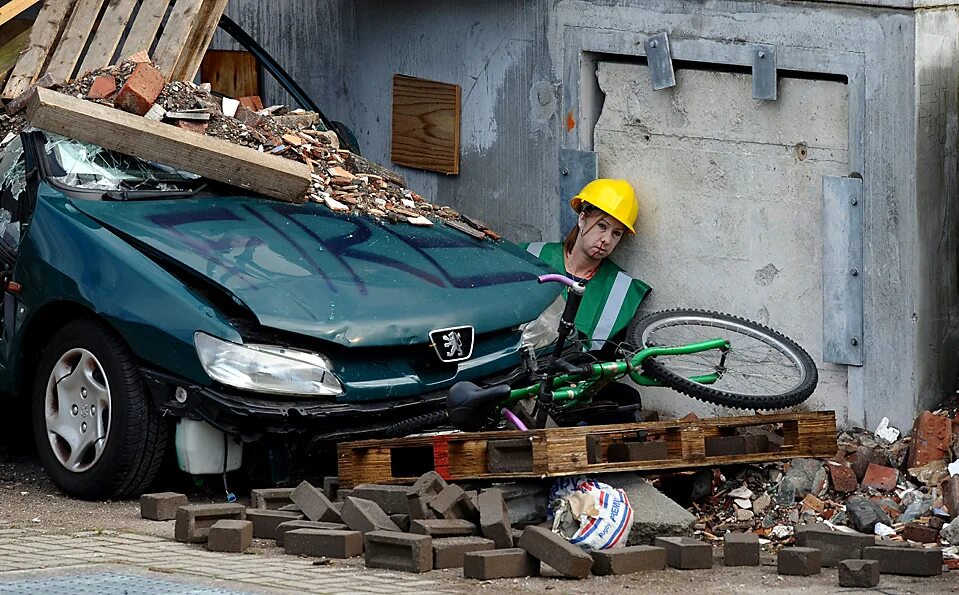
x: 249, y: 118
x: 141, y: 90
x: 843, y: 478
x: 192, y: 126
x: 102, y: 87
x: 920, y: 533
x: 863, y: 457
x: 931, y: 439
x: 858, y: 573
x: 813, y: 503
x: 252, y: 102
x: 880, y: 478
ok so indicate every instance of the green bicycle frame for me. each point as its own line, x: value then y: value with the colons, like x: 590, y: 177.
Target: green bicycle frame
x: 578, y: 385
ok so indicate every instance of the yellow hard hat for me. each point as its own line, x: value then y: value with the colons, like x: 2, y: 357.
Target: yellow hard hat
x: 614, y: 197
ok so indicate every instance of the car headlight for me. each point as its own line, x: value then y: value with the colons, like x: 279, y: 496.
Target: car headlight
x: 545, y: 329
x: 266, y: 368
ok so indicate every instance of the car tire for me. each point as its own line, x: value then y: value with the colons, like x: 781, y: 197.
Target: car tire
x: 96, y: 431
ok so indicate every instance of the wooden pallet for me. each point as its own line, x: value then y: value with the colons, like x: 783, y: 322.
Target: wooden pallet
x: 71, y: 37
x: 565, y: 451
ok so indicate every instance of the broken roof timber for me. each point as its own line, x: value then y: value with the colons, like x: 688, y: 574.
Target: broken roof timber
x: 216, y: 159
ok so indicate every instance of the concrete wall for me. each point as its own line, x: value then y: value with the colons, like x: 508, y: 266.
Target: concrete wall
x: 528, y: 68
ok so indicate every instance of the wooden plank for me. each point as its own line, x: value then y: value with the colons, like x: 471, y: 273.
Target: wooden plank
x: 107, y: 37
x: 75, y: 35
x: 10, y: 53
x: 176, y: 32
x: 199, y: 40
x: 230, y: 72
x: 213, y: 158
x: 144, y: 29
x: 13, y: 9
x: 46, y: 30
x: 426, y: 124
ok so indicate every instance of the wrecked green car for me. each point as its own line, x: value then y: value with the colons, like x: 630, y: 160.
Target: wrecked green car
x: 145, y: 305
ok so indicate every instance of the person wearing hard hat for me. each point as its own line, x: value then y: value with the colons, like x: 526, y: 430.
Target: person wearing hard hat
x: 606, y: 212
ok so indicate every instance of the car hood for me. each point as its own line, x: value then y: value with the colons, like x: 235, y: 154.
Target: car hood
x: 352, y: 280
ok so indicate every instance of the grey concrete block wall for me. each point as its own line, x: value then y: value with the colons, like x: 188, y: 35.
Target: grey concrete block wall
x: 527, y: 69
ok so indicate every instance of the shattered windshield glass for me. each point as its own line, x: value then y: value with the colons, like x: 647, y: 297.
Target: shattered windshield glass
x: 90, y: 167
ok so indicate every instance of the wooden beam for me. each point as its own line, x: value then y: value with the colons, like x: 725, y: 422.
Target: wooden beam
x: 145, y: 27
x: 74, y: 39
x: 46, y: 31
x: 107, y: 36
x: 12, y: 9
x: 213, y: 158
x: 199, y: 40
x: 176, y: 32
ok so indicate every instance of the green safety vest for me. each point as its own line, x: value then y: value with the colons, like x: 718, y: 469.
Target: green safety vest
x: 610, y: 300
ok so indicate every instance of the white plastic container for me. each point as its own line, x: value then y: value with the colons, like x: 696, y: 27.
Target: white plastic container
x: 200, y: 448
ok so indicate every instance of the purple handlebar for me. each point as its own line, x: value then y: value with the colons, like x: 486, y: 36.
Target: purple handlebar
x: 555, y: 278
x: 514, y: 420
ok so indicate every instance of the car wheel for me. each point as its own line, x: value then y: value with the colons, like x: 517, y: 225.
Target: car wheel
x: 97, y: 434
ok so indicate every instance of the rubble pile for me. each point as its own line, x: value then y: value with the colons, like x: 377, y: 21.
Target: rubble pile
x: 342, y: 180
x: 903, y: 490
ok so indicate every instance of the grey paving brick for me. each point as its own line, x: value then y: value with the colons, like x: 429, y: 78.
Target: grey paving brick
x: 562, y: 556
x: 448, y: 552
x: 501, y: 563
x: 444, y: 527
x: 453, y: 503
x: 906, y: 560
x: 266, y: 521
x: 418, y: 495
x: 391, y: 498
x: 229, y: 535
x: 270, y: 498
x: 364, y: 516
x: 859, y: 573
x: 193, y: 521
x: 314, y: 504
x: 399, y: 551
x: 494, y: 518
x: 799, y: 561
x: 282, y: 528
x: 686, y: 553
x: 626, y: 560
x: 834, y: 546
x: 741, y: 549
x: 161, y: 506
x: 323, y: 543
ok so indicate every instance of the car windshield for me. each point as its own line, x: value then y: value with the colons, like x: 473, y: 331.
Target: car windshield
x: 89, y: 167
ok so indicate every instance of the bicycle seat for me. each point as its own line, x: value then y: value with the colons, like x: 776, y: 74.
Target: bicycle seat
x: 468, y: 405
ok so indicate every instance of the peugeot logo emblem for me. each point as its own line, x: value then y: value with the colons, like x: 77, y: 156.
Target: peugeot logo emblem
x: 452, y: 344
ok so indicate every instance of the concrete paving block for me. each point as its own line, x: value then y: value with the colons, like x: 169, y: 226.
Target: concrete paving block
x: 653, y: 450
x: 331, y: 485
x: 626, y: 560
x: 858, y: 573
x: 314, y: 503
x: 270, y: 498
x: 228, y: 535
x: 399, y: 551
x: 721, y: 446
x: 161, y: 506
x: 365, y: 516
x: 284, y: 527
x: 402, y: 521
x: 266, y: 521
x: 443, y: 527
x: 391, y: 498
x: 799, y: 561
x: 508, y: 563
x: 686, y: 553
x: 292, y: 508
x: 323, y: 543
x: 562, y: 556
x: 905, y: 560
x: 448, y: 552
x: 418, y: 495
x: 514, y: 455
x: 741, y: 549
x: 193, y: 521
x: 453, y: 503
x: 834, y: 546
x: 494, y: 518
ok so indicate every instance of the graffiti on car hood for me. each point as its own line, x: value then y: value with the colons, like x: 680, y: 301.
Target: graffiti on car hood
x: 351, y: 280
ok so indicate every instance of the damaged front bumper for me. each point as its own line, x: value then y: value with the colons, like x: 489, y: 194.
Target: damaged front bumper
x: 251, y: 417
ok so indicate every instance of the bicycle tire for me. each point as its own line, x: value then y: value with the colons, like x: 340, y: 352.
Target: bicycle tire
x: 641, y: 330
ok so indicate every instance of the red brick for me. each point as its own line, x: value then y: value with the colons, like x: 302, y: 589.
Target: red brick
x: 843, y: 478
x: 880, y: 478
x: 931, y: 439
x: 198, y: 127
x: 141, y: 90
x: 920, y: 533
x: 252, y: 103
x: 103, y: 86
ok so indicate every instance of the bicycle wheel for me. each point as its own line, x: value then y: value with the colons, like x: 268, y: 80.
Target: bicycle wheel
x: 763, y: 369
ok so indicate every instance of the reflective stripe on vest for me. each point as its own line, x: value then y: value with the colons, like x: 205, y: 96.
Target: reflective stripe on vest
x: 535, y: 248
x: 614, y: 303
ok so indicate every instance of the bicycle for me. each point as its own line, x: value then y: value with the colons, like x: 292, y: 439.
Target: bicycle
x: 676, y: 348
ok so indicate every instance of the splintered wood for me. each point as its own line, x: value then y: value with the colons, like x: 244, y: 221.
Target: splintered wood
x: 125, y: 133
x: 71, y: 37
x: 585, y: 450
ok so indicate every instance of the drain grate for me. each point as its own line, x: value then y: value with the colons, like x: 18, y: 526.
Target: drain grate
x: 106, y: 583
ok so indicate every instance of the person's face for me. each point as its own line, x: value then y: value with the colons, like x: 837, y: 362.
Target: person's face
x: 599, y: 234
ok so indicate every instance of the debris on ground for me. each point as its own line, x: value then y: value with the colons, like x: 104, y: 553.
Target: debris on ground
x: 340, y: 179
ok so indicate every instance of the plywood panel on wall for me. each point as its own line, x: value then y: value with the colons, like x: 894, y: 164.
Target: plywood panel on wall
x: 232, y: 73
x: 426, y: 124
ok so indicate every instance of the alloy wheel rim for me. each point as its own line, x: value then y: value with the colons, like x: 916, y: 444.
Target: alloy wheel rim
x: 77, y: 410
